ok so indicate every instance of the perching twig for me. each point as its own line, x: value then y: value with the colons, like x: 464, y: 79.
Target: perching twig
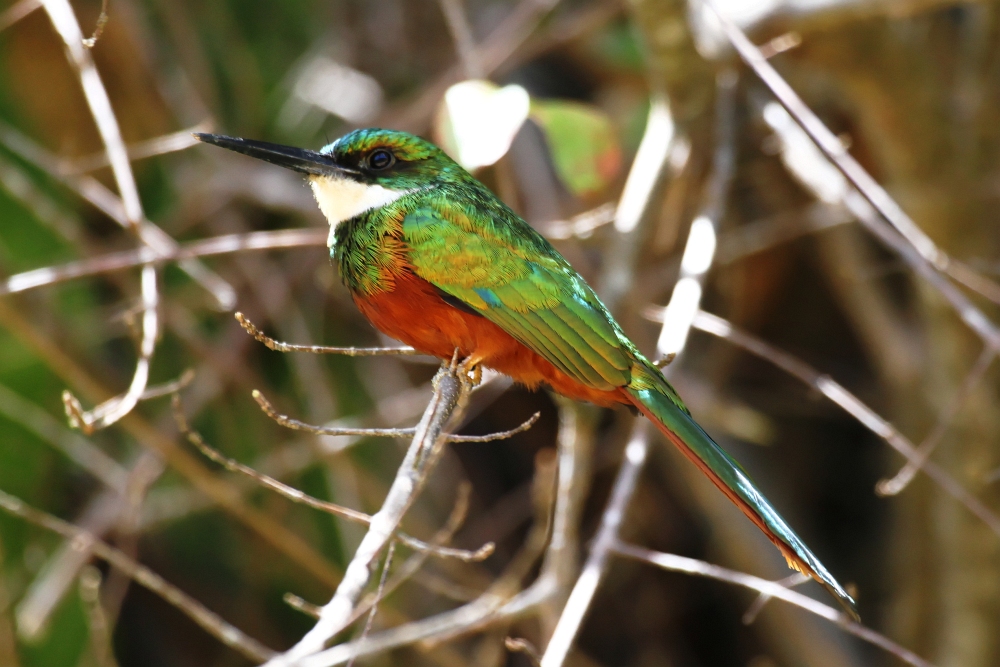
x: 492, y: 606
x: 208, y: 620
x: 451, y: 390
x: 773, y: 589
x: 278, y: 346
x: 298, y: 496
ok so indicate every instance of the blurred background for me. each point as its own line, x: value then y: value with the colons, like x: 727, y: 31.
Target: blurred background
x: 548, y: 101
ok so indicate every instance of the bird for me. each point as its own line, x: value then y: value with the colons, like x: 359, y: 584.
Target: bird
x: 435, y: 259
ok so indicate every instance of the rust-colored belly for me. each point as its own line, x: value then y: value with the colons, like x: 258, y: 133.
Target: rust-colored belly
x: 414, y: 313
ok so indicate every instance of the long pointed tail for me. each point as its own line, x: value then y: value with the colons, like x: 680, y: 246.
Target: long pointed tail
x: 659, y: 406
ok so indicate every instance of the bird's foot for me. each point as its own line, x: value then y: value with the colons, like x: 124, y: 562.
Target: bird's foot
x: 470, y: 369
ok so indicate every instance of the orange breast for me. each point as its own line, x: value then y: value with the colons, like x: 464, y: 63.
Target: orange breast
x: 414, y: 313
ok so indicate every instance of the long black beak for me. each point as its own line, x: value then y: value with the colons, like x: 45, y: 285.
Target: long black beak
x: 289, y: 157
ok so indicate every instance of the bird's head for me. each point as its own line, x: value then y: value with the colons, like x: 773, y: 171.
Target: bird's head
x: 361, y: 171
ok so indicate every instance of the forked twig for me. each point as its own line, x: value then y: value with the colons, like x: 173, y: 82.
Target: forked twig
x: 450, y: 393
x: 210, y: 621
x: 278, y: 346
x: 110, y: 411
x: 298, y: 496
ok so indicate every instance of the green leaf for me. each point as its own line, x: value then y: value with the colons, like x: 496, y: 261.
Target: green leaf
x: 583, y: 143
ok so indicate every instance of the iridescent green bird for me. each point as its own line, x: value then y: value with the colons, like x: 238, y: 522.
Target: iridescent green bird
x: 436, y: 260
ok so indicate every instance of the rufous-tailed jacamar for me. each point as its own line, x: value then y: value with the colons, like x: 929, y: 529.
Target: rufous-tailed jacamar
x: 436, y: 260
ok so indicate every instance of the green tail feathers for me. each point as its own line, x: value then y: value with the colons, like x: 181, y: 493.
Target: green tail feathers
x: 658, y: 402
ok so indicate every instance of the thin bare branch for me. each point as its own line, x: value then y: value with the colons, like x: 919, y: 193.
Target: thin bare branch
x: 416, y: 561
x: 379, y: 593
x: 502, y: 435
x: 699, y: 250
x: 278, y: 346
x: 208, y: 620
x: 169, y: 388
x: 583, y: 224
x: 64, y: 20
x: 450, y: 392
x: 100, y: 632
x: 496, y: 605
x: 892, y: 486
x: 835, y: 150
x: 297, y: 425
x: 110, y: 411
x: 771, y: 588
x: 298, y: 496
x: 850, y: 403
x: 600, y: 551
x: 168, y: 143
x: 791, y: 581
x: 219, y: 245
x: 461, y: 33
x: 808, y: 164
x: 106, y: 201
x: 299, y: 604
x: 54, y: 432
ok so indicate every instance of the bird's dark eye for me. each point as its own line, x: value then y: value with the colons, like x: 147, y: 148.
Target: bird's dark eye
x: 380, y: 159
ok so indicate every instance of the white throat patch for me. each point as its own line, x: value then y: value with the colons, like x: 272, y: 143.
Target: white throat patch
x: 341, y: 199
